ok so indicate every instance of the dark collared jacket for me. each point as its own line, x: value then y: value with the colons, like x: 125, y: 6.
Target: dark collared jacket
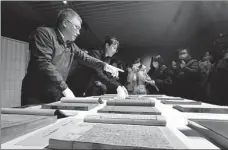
x: 50, y: 62
x: 104, y: 77
x: 186, y: 81
x: 219, y: 83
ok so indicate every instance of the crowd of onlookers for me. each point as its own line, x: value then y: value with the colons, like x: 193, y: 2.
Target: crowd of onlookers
x: 203, y: 80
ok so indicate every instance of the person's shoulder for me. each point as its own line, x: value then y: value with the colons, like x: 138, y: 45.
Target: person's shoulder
x: 95, y: 53
x: 163, y: 67
x: 193, y: 60
x: 167, y: 71
x: 76, y: 46
x: 45, y: 31
x: 222, y: 64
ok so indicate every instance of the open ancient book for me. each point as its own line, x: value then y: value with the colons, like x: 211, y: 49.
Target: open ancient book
x: 136, y: 96
x: 217, y: 110
x: 182, y: 102
x: 41, y: 138
x: 113, y: 96
x: 153, y: 96
x: 144, y: 102
x: 105, y: 96
x: 110, y: 95
x: 130, y: 110
x: 113, y: 136
x: 37, y: 112
x: 130, y: 119
x: 214, y: 130
x: 69, y: 106
x: 82, y: 100
x: 169, y: 98
x: 14, y: 125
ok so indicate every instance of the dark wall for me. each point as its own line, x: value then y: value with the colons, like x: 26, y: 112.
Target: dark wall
x: 14, y: 24
x: 210, y: 17
x: 18, y: 21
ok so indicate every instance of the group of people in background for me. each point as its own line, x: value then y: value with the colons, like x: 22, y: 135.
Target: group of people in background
x: 202, y: 80
x: 59, y: 68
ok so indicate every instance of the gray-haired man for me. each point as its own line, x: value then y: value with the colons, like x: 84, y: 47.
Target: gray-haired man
x: 52, y: 52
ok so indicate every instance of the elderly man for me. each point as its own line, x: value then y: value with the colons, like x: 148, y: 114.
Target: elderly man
x: 52, y: 52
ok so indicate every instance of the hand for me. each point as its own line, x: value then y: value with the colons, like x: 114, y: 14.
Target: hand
x: 121, y: 93
x: 68, y: 93
x: 174, y: 64
x: 125, y: 90
x: 135, y: 69
x: 116, y: 78
x: 203, y: 64
x: 104, y: 88
x: 182, y: 65
x: 98, y: 83
x: 152, y: 82
x: 147, y: 77
x: 163, y: 67
x: 113, y: 70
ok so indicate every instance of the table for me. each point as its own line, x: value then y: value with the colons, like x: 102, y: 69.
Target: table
x: 176, y: 122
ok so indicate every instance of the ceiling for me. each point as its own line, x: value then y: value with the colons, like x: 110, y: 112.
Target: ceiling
x: 138, y: 25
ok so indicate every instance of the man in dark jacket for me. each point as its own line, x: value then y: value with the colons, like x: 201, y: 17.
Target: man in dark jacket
x: 218, y: 79
x: 219, y: 83
x: 52, y: 53
x: 103, y: 80
x: 186, y: 75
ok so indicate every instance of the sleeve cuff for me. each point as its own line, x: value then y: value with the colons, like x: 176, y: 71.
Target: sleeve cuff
x: 63, y: 86
x: 117, y: 84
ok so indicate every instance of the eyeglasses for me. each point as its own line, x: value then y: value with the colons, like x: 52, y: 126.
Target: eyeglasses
x: 75, y: 26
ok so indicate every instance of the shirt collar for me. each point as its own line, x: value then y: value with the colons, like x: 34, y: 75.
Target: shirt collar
x: 60, y: 38
x: 59, y: 35
x: 104, y: 56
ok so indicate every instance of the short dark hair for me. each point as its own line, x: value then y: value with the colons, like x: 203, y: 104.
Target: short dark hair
x: 137, y: 60
x: 181, y: 49
x: 110, y: 41
x: 67, y: 13
x: 157, y: 58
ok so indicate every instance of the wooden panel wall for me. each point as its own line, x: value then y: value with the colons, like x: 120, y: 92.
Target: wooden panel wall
x: 14, y: 60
